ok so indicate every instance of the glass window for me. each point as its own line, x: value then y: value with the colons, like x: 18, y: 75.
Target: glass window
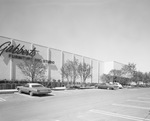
x: 37, y: 85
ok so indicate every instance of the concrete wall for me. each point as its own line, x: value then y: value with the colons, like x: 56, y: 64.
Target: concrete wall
x: 95, y: 74
x: 118, y: 65
x: 101, y: 70
x: 55, y: 55
x: 5, y: 62
x: 16, y: 72
x: 108, y: 66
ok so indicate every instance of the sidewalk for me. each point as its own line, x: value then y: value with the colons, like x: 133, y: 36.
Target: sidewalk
x: 8, y: 91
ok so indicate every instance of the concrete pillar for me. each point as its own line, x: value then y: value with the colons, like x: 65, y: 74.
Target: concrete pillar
x: 62, y: 63
x: 98, y: 71
x: 48, y: 70
x: 91, y: 71
x: 12, y: 66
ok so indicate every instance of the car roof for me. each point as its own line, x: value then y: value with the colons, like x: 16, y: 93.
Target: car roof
x: 33, y: 83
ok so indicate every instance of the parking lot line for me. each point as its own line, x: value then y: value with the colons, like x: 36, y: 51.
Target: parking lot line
x: 1, y: 99
x: 130, y: 106
x: 139, y: 101
x: 119, y: 115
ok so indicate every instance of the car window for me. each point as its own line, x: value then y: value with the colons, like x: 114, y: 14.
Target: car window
x: 37, y: 85
x: 26, y: 85
x: 103, y: 84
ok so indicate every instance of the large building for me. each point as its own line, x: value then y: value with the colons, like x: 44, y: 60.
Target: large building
x: 13, y: 51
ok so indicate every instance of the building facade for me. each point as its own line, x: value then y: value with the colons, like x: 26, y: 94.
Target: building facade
x: 108, y: 66
x: 13, y: 51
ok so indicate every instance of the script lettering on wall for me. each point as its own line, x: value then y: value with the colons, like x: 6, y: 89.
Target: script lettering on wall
x: 18, y: 50
x: 7, y: 47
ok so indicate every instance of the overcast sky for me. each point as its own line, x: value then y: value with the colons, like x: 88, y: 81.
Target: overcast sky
x: 107, y: 30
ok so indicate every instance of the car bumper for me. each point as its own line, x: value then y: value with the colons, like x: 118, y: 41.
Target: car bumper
x: 41, y: 93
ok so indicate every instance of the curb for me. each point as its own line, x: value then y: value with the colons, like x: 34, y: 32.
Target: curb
x: 8, y: 91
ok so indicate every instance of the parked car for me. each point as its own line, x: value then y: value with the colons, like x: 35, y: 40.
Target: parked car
x: 33, y: 88
x: 119, y: 85
x: 74, y: 87
x: 107, y: 86
x: 59, y: 88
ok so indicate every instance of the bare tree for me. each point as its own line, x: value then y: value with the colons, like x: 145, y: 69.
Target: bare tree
x: 66, y: 72
x: 80, y: 71
x: 74, y: 66
x: 84, y: 71
x: 33, y: 69
x: 69, y: 71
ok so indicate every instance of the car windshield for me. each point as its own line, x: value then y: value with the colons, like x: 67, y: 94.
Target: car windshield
x: 37, y: 86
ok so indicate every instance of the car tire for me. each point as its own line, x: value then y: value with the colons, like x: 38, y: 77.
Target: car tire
x: 31, y: 93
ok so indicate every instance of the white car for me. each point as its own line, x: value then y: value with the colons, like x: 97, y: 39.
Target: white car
x: 119, y: 85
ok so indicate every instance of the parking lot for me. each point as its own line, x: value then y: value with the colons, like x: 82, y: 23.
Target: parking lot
x: 78, y: 105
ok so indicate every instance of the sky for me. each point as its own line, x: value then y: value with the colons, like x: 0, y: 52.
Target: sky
x: 106, y: 30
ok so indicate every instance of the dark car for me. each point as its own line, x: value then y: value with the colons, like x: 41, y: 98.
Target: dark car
x: 74, y: 87
x: 107, y: 86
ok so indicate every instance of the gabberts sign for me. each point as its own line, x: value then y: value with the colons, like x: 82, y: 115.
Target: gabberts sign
x: 18, y: 50
x: 7, y: 47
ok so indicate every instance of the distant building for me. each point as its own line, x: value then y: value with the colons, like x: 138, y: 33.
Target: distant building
x: 112, y: 65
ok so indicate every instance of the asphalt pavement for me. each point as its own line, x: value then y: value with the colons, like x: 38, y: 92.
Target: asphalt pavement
x: 78, y: 105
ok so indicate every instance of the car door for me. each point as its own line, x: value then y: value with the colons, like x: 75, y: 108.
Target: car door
x: 103, y: 86
x: 26, y: 88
